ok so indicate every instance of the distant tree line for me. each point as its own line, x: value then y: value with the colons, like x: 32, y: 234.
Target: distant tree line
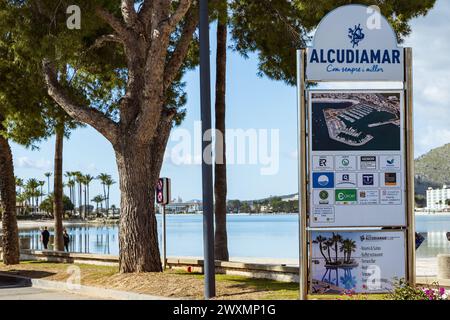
x: 270, y: 205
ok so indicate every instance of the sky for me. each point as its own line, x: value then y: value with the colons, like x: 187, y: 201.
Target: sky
x: 267, y: 109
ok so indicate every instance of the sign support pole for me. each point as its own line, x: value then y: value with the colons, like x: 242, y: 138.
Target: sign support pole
x: 164, y: 231
x: 302, y: 179
x: 411, y: 243
x: 207, y: 175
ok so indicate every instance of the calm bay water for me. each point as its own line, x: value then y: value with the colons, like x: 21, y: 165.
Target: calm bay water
x: 262, y: 236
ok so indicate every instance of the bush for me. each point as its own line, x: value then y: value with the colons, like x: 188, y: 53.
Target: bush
x: 404, y: 291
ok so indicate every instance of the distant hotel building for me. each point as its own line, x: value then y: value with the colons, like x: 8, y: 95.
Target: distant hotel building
x: 184, y: 207
x: 437, y: 199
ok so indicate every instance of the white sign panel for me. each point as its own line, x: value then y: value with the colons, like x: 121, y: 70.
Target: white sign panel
x: 359, y: 261
x: 357, y: 159
x: 354, y: 43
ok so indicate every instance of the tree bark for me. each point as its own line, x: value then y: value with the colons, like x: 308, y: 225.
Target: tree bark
x: 220, y: 167
x: 138, y: 239
x: 139, y: 166
x: 58, y: 189
x: 11, y: 252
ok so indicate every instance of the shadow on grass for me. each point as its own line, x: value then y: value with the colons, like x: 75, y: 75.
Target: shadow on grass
x: 35, y: 274
x: 244, y: 285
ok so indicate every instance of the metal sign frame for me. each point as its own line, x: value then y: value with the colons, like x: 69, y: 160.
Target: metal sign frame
x: 303, y: 170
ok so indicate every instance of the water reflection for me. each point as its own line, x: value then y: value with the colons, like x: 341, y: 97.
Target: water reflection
x: 83, y: 239
x: 264, y: 236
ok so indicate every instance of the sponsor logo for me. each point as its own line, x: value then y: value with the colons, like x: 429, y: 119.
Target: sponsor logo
x: 368, y: 162
x: 323, y: 163
x: 323, y: 180
x: 346, y: 179
x: 390, y: 162
x: 367, y: 179
x: 345, y: 163
x: 345, y: 195
x: 368, y: 197
x: 324, y: 197
x: 392, y: 196
x: 390, y: 179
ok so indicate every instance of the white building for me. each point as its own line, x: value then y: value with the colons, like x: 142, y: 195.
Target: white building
x: 437, y: 198
x: 184, y: 207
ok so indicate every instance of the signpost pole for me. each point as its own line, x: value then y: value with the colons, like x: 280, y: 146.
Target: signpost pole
x: 164, y: 231
x: 408, y: 86
x: 302, y: 179
x: 207, y: 176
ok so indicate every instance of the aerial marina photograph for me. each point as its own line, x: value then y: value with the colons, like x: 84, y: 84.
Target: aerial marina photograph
x: 354, y: 120
x: 209, y: 159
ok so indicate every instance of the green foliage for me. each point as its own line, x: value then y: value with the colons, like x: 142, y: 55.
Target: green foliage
x: 47, y: 204
x: 94, y: 76
x: 275, y: 29
x: 420, y: 201
x: 404, y: 291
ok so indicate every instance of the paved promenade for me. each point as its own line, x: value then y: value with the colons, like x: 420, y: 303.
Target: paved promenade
x: 29, y: 293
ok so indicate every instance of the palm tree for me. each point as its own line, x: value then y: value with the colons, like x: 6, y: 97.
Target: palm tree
x: 327, y: 245
x: 79, y: 178
x: 321, y: 240
x: 41, y: 185
x: 48, y: 175
x: 22, y: 199
x: 69, y: 175
x: 103, y: 177
x: 98, y: 200
x: 71, y: 186
x: 87, y: 179
x: 31, y: 186
x: 336, y: 239
x: 109, y: 182
x: 348, y: 246
x: 220, y: 168
x: 19, y: 184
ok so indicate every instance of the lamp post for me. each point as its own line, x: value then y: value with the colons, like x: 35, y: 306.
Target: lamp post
x: 207, y: 175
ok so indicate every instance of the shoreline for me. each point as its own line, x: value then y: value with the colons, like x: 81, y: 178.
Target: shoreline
x: 35, y: 224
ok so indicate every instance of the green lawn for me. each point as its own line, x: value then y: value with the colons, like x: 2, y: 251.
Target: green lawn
x: 172, y: 283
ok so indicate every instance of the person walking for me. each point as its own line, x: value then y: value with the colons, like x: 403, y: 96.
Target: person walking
x: 45, y: 237
x: 66, y: 240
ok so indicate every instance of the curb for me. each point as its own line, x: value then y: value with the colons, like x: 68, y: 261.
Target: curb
x: 94, y: 292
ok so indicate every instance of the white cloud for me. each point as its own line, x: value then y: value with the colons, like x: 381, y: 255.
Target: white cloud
x: 430, y: 138
x: 429, y: 40
x: 27, y: 163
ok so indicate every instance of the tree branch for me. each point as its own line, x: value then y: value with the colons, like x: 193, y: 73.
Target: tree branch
x: 114, y: 22
x: 179, y: 13
x: 181, y: 50
x: 99, y: 42
x: 87, y: 115
x: 130, y: 15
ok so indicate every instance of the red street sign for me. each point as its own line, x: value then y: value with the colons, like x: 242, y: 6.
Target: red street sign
x: 163, y: 191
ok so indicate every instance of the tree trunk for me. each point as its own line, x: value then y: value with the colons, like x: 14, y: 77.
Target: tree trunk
x: 58, y: 206
x: 11, y: 252
x: 104, y: 198
x: 138, y: 238
x: 220, y: 168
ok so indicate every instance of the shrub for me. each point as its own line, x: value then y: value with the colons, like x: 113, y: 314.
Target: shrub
x: 404, y: 291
